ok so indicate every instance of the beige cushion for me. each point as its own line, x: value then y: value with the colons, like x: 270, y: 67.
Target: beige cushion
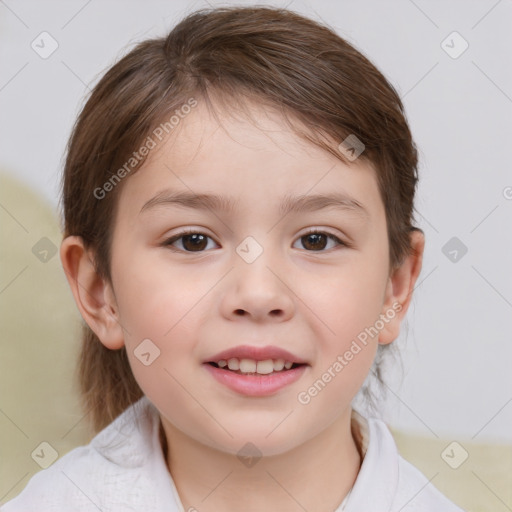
x: 481, y: 483
x: 39, y: 325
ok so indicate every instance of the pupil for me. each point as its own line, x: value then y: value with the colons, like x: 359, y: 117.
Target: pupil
x: 314, y: 240
x: 198, y: 242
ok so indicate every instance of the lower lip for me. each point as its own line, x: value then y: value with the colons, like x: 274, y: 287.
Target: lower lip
x: 256, y: 385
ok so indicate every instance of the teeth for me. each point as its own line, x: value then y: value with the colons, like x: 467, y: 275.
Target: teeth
x: 265, y: 367
x: 278, y: 365
x: 233, y: 364
x: 248, y: 365
x: 252, y: 366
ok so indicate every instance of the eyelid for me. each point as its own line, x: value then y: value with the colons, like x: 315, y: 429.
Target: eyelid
x: 322, y: 231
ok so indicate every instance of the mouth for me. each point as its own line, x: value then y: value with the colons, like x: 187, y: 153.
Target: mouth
x: 255, y: 367
x: 254, y: 370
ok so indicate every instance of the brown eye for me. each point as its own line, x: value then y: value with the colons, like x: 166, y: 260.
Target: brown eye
x: 314, y: 241
x: 319, y: 241
x: 196, y: 242
x: 188, y: 242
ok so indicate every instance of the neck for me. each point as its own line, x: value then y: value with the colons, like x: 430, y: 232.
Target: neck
x: 316, y: 475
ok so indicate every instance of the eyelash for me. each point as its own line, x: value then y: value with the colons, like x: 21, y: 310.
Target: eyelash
x: 168, y: 243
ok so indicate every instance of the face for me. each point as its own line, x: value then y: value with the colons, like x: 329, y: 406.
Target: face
x: 275, y: 265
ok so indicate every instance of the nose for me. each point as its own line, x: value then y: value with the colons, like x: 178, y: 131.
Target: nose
x: 257, y: 291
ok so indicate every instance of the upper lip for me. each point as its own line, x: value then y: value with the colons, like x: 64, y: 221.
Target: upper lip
x: 256, y: 353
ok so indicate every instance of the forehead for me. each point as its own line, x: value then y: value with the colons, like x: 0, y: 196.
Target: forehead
x: 246, y: 161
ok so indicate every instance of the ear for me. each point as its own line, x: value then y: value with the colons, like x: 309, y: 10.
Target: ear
x: 93, y: 295
x: 399, y: 289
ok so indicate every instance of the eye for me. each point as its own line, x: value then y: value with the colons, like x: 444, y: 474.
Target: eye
x: 190, y: 241
x: 319, y: 240
x: 194, y: 241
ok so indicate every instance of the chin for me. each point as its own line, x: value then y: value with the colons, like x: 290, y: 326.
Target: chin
x: 251, y: 441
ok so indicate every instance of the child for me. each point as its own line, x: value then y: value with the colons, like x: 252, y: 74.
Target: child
x: 238, y: 201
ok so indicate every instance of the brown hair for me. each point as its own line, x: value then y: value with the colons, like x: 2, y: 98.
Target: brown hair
x: 281, y: 59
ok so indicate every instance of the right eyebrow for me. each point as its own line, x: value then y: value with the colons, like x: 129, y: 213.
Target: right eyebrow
x: 190, y: 200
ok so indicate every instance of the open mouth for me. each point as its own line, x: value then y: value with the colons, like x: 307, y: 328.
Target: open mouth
x: 253, y: 367
x: 256, y: 378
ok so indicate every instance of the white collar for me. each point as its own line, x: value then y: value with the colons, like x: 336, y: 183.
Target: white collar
x: 377, y: 481
x: 132, y: 441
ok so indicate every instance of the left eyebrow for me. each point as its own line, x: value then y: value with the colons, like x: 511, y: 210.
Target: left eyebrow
x: 289, y: 204
x: 311, y: 203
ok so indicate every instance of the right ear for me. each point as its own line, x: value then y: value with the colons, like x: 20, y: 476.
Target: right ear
x: 93, y: 295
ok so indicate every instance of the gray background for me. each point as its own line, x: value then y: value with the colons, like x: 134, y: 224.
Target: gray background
x: 457, y: 353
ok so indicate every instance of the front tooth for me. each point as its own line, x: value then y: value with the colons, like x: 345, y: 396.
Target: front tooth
x: 265, y: 367
x: 233, y: 364
x: 247, y: 365
x: 278, y: 365
x: 288, y: 365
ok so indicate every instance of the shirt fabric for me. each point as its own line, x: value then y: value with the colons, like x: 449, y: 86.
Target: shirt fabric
x: 123, y: 469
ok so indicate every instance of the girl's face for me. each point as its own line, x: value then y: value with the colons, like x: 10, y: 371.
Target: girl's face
x: 247, y: 273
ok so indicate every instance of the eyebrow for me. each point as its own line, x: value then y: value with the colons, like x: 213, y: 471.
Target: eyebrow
x: 289, y: 204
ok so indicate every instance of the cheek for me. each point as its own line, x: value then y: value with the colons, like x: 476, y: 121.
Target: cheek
x: 346, y: 351
x: 160, y: 338
x: 162, y: 305
x: 346, y: 342
x: 153, y: 297
x: 348, y: 300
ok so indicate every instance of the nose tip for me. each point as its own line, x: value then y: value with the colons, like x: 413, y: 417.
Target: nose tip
x: 255, y: 291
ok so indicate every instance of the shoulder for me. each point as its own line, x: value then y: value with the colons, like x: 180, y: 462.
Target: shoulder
x: 62, y: 484
x: 388, y: 482
x: 118, y: 470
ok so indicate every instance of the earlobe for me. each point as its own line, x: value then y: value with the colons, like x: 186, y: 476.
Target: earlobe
x: 400, y: 287
x: 93, y: 294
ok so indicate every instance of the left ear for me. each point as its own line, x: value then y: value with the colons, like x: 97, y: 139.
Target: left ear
x: 400, y: 287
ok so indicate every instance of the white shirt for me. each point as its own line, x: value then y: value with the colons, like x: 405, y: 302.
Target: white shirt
x: 123, y: 469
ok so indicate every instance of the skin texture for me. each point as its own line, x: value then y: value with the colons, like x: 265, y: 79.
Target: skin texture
x: 194, y: 304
